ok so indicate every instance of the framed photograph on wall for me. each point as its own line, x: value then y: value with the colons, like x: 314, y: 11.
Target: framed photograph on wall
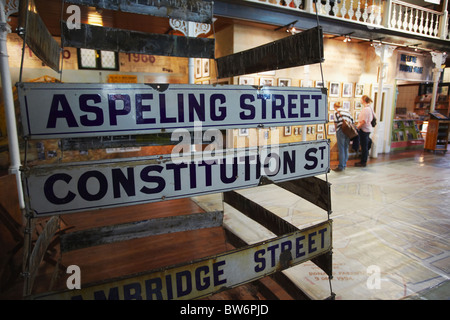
x: 319, y: 136
x: 335, y: 89
x: 287, y: 130
x: 358, y: 105
x: 331, y: 117
x: 205, y: 67
x: 284, y: 82
x: 331, y: 129
x: 347, y: 90
x: 198, y: 67
x: 346, y: 105
x: 247, y: 80
x: 320, y: 127
x: 321, y: 84
x: 266, y: 81
x: 359, y: 90
x: 311, y: 130
x: 243, y: 132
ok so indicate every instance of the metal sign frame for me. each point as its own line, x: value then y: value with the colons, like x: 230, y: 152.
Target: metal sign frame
x: 45, y: 108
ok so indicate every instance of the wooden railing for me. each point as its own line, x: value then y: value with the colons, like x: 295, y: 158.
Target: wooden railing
x: 418, y: 20
x: 390, y: 14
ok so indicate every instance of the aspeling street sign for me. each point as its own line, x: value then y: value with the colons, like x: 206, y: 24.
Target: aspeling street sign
x: 64, y: 110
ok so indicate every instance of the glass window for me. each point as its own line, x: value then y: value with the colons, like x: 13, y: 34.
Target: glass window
x: 88, y: 58
x: 97, y: 59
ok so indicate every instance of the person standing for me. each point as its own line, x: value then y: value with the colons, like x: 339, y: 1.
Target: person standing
x: 365, y: 129
x: 343, y: 141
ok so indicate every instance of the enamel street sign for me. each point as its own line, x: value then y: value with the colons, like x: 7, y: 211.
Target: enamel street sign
x: 63, y: 110
x: 71, y: 187
x: 209, y: 275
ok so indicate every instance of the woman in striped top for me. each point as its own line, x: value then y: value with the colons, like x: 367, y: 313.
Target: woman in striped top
x: 343, y: 141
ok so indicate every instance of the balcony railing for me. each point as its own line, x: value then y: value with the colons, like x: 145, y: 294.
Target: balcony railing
x: 389, y: 14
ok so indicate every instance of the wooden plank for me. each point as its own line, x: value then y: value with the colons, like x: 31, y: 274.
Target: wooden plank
x: 139, y: 229
x: 312, y: 189
x: 301, y: 49
x: 40, y: 249
x: 188, y: 10
x: 37, y: 37
x: 129, y: 41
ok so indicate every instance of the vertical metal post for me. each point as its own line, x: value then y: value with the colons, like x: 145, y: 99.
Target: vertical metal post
x: 191, y: 33
x: 14, y: 152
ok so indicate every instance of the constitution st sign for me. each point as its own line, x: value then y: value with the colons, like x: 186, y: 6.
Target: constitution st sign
x: 71, y: 187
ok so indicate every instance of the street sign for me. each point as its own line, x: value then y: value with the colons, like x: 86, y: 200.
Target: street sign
x: 36, y: 35
x: 72, y: 187
x: 298, y: 50
x: 209, y: 275
x: 63, y: 110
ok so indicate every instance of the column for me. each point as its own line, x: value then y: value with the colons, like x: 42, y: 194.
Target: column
x: 384, y: 52
x: 438, y: 60
x: 190, y: 29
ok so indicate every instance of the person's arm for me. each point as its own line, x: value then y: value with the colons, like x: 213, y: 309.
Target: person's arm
x: 362, y: 118
x: 361, y: 123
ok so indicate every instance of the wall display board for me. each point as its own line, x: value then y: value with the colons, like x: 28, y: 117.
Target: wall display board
x: 62, y: 110
x: 414, y: 67
x: 66, y: 188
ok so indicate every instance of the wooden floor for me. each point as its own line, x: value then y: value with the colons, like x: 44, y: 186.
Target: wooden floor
x: 132, y: 256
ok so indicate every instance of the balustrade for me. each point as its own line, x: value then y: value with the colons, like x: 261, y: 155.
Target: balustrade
x: 411, y: 18
x: 392, y: 14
